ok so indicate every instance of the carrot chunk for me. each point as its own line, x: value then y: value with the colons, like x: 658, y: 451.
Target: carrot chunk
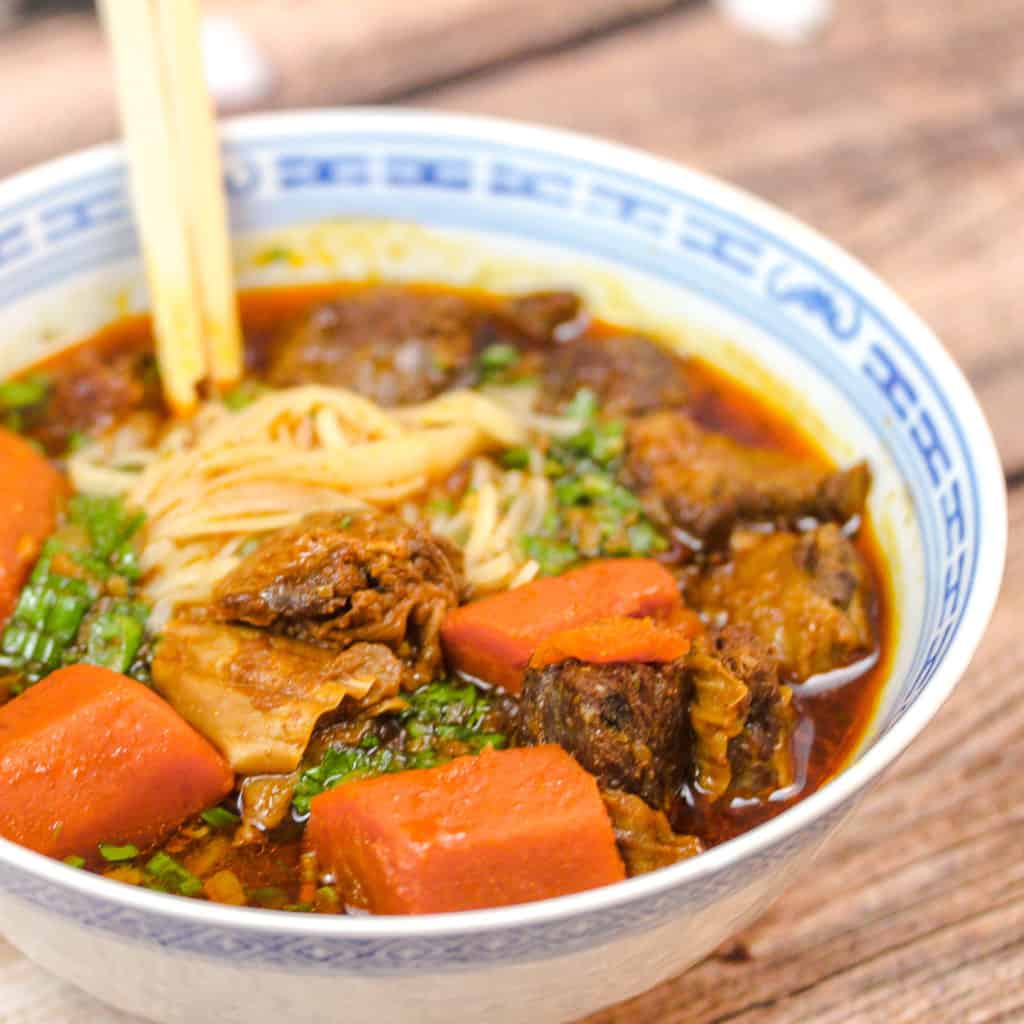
x: 494, y: 639
x: 89, y: 756
x: 506, y: 827
x: 616, y: 640
x: 29, y: 490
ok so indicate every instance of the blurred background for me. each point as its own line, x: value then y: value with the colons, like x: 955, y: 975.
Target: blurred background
x: 896, y: 127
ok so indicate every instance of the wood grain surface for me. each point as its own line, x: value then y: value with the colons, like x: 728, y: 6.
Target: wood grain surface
x: 900, y: 134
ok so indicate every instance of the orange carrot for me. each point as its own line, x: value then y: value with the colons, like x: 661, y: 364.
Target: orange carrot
x: 493, y: 639
x: 30, y: 489
x: 90, y: 756
x: 506, y: 827
x: 616, y: 640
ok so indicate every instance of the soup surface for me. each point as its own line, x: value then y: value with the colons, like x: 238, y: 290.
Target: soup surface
x: 450, y: 583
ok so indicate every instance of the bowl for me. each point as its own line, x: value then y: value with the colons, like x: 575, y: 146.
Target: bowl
x: 405, y: 195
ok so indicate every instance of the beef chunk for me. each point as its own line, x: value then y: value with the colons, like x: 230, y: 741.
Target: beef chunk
x: 741, y: 716
x: 389, y: 344
x: 337, y: 579
x: 644, y: 837
x: 629, y: 375
x: 759, y: 756
x: 398, y: 346
x: 808, y: 596
x: 93, y: 391
x: 625, y: 723
x: 704, y: 483
x: 535, y: 318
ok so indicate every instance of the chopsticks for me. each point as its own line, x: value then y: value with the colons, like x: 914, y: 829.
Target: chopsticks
x: 177, y: 193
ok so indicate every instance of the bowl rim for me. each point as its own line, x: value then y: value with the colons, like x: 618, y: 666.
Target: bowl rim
x: 992, y: 527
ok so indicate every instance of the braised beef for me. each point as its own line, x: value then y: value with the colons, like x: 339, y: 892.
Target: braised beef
x: 397, y: 346
x: 94, y: 390
x: 336, y: 579
x: 536, y: 317
x: 644, y: 836
x: 760, y: 756
x: 741, y: 716
x: 389, y: 344
x: 807, y: 595
x: 705, y: 483
x: 628, y: 374
x: 625, y: 723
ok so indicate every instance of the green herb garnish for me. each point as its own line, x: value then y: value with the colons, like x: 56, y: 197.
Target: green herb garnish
x: 443, y: 720
x: 516, y: 458
x: 220, y: 817
x: 268, y: 896
x: 167, y: 875
x: 76, y: 613
x: 594, y: 515
x: 74, y: 861
x: 77, y: 440
x: 341, y: 765
x: 244, y: 394
x: 117, y: 854
x: 441, y: 507
x: 273, y: 254
x: 24, y: 392
x: 496, y: 365
x: 553, y: 556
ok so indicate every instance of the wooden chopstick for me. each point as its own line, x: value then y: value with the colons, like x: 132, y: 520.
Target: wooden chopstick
x: 201, y: 177
x: 177, y: 193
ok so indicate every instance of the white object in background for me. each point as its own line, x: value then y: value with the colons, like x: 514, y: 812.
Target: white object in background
x: 787, y: 21
x: 237, y: 73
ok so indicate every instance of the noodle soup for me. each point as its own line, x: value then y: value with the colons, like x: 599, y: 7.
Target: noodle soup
x: 451, y: 584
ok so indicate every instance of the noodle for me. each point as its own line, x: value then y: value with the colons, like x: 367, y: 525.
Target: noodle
x: 223, y: 478
x: 498, y: 507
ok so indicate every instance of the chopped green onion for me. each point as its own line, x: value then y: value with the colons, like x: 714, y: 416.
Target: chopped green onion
x: 117, y: 854
x: 220, y: 817
x: 441, y: 507
x: 516, y: 458
x: 274, y: 254
x: 244, y: 394
x: 77, y: 440
x: 170, y: 876
x: 345, y: 523
x: 496, y: 362
x: 74, y: 861
x: 499, y: 357
x: 594, y: 515
x: 24, y: 392
x: 268, y: 895
x: 488, y: 741
x: 106, y: 521
x: 553, y: 556
x: 442, y: 720
x: 583, y: 405
x: 63, y: 619
x: 113, y: 639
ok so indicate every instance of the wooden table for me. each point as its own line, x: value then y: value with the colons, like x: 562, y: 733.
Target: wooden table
x: 901, y: 135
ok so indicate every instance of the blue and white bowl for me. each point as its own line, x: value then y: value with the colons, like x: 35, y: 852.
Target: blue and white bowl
x: 337, y: 194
